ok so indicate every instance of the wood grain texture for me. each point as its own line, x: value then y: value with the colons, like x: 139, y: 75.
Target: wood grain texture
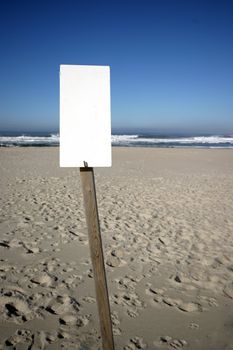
x: 96, y: 250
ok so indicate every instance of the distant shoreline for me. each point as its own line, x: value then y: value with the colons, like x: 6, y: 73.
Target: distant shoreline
x: 127, y: 140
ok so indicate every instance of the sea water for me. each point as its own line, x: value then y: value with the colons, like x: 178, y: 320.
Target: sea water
x: 123, y: 140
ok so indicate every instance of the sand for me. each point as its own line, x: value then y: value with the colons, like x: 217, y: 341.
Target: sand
x: 167, y: 226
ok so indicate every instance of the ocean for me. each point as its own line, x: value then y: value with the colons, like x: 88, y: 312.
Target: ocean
x: 124, y: 140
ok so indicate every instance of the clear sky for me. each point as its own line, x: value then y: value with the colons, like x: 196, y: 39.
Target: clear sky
x: 171, y: 61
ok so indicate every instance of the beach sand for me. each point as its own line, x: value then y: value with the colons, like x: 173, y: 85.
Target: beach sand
x: 166, y: 217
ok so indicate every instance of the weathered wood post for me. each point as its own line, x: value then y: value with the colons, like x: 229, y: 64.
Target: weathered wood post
x: 95, y: 243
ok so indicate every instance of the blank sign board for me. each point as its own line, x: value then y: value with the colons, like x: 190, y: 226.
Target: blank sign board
x: 85, y: 120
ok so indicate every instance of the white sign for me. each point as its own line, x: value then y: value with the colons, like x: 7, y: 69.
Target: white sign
x: 85, y: 116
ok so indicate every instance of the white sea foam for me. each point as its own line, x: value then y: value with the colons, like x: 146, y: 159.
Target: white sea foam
x: 27, y: 140
x: 124, y: 138
x: 215, y: 141
x: 198, y: 140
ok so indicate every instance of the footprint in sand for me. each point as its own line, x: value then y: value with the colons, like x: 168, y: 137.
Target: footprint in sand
x: 130, y: 300
x: 193, y: 325
x: 21, y: 336
x: 63, y: 304
x: 166, y: 340
x: 135, y: 343
x: 73, y: 320
x: 154, y: 291
x: 160, y: 298
x: 128, y: 282
x: 14, y: 306
x: 30, y: 247
x: 26, y: 339
x: 44, y: 280
x: 190, y: 307
x: 115, y: 323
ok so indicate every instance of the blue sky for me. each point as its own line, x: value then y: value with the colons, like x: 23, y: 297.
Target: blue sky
x: 171, y: 61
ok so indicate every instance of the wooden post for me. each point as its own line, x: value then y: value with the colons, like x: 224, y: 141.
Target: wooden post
x: 95, y: 243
